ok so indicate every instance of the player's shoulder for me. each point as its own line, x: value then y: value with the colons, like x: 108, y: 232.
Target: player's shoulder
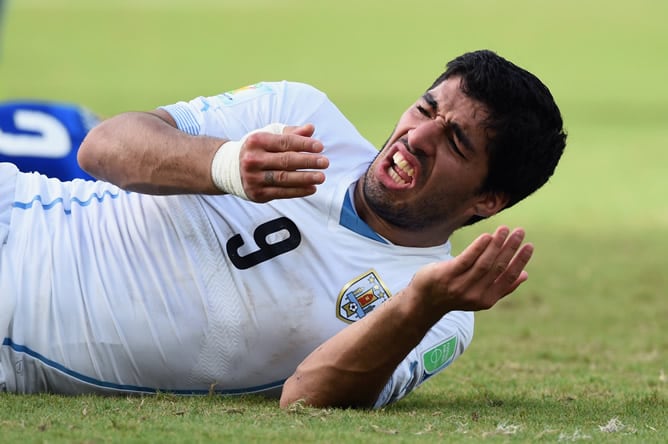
x: 284, y: 91
x: 293, y: 100
x: 304, y: 87
x: 293, y: 88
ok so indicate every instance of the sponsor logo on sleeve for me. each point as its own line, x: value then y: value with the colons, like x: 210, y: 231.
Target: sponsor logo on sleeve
x: 246, y: 93
x: 360, y: 296
x: 439, y: 356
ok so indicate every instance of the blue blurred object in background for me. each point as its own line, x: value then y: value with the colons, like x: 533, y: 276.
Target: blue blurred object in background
x: 44, y: 136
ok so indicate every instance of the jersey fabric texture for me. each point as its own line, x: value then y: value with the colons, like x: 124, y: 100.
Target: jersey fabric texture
x: 192, y: 293
x: 44, y: 136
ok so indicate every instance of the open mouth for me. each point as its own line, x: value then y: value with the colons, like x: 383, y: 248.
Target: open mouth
x: 400, y: 170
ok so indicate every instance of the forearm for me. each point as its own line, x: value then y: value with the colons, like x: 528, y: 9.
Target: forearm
x: 351, y: 368
x: 144, y: 152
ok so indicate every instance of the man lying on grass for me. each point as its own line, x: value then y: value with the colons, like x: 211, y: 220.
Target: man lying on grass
x: 255, y: 242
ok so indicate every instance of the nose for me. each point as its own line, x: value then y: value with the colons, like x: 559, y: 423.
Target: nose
x: 423, y: 137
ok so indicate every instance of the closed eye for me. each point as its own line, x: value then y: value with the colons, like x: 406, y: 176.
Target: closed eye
x: 451, y: 141
x: 422, y: 110
x: 454, y: 147
x: 427, y: 101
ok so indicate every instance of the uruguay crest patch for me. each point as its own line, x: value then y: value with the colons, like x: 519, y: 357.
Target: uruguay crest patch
x: 360, y: 296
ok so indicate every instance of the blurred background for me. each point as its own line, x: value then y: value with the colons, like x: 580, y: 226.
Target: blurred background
x: 605, y: 62
x: 596, y: 301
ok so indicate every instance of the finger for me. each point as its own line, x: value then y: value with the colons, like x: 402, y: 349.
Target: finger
x: 258, y: 160
x: 515, y: 273
x: 507, y: 271
x: 282, y: 143
x: 511, y: 245
x: 289, y: 179
x: 270, y: 193
x: 496, y: 261
x: 296, y: 161
x: 298, y: 143
x: 281, y: 179
x: 487, y: 259
x: 306, y: 130
x: 467, y: 258
x: 282, y: 161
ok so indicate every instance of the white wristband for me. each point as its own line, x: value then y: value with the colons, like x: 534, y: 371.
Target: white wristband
x: 225, y: 168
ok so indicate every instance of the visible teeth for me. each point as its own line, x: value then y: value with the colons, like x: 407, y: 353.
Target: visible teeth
x: 396, y: 177
x: 399, y: 161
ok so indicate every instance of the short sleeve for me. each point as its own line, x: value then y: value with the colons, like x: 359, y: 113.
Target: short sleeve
x: 444, y: 343
x: 233, y: 114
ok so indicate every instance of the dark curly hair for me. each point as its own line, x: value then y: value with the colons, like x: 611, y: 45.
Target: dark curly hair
x: 525, y: 127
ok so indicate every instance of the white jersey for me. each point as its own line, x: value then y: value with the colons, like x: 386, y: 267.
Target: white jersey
x: 112, y: 291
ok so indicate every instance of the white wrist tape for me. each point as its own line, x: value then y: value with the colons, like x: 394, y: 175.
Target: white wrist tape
x: 225, y: 168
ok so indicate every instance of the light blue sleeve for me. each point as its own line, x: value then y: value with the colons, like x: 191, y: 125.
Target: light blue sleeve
x: 444, y: 343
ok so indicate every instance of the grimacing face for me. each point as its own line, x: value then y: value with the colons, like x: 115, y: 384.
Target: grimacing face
x: 426, y: 178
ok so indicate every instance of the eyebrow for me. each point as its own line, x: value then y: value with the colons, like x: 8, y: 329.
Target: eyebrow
x: 461, y: 135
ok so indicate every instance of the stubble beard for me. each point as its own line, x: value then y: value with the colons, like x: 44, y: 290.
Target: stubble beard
x: 408, y: 217
x: 411, y: 217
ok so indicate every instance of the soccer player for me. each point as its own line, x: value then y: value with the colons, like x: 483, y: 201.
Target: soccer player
x: 296, y: 261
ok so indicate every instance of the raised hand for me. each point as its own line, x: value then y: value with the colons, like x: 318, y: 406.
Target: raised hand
x: 490, y: 268
x: 281, y: 166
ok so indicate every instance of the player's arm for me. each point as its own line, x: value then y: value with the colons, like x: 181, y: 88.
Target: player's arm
x: 146, y: 152
x: 351, y: 368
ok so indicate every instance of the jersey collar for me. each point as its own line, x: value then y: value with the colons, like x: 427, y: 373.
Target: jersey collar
x: 352, y: 221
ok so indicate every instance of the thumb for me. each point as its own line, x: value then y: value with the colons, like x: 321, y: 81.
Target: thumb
x: 305, y: 130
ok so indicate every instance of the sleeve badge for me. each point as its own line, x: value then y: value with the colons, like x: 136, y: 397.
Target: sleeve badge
x: 244, y: 94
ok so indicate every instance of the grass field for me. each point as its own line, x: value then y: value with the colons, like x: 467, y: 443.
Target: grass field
x: 580, y: 353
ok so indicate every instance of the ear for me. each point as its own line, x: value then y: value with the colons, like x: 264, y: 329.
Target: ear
x: 490, y: 203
